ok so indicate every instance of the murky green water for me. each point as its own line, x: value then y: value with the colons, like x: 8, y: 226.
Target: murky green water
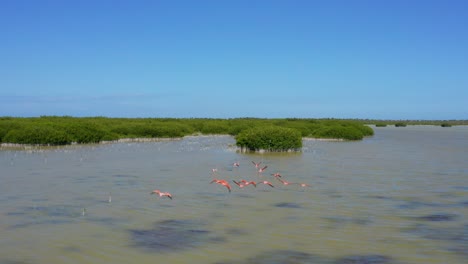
x: 398, y: 197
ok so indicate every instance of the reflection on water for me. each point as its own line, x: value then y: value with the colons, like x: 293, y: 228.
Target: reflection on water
x: 397, y: 197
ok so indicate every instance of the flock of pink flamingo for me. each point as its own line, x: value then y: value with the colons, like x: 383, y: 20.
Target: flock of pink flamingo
x: 242, y: 183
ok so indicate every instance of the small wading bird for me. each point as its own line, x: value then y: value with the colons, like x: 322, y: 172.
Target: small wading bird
x: 223, y: 183
x: 161, y: 194
x: 266, y: 183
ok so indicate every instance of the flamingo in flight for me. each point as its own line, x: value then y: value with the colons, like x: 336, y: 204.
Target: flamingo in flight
x: 276, y: 175
x: 244, y: 183
x: 249, y: 182
x: 223, y: 183
x: 257, y: 164
x: 291, y: 183
x: 162, y: 194
x: 285, y: 182
x: 240, y: 184
x: 266, y: 183
x: 262, y: 169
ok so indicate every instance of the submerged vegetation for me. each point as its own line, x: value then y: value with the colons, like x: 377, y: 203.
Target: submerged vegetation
x: 273, y: 134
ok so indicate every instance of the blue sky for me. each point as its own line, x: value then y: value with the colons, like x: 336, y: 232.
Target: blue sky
x: 224, y: 59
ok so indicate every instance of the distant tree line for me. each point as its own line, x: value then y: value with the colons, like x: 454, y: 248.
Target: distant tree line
x: 444, y: 123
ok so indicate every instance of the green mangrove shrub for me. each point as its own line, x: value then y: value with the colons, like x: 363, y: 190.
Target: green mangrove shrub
x: 7, y: 125
x: 445, y: 125
x: 339, y: 132
x: 171, y: 130
x: 380, y: 125
x: 37, y: 135
x: 110, y: 136
x: 152, y: 130
x: 400, y: 124
x: 238, y: 125
x: 270, y: 138
x: 83, y: 132
x: 303, y: 128
x: 365, y: 130
x: 215, y: 127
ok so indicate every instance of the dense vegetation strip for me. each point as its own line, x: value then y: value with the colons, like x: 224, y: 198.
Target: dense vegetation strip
x: 62, y: 130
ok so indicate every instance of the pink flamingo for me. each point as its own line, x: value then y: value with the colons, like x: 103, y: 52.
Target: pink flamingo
x: 161, y: 194
x: 249, y: 182
x: 262, y: 169
x: 223, y: 183
x: 257, y: 164
x: 285, y: 182
x: 241, y: 185
x: 276, y: 175
x: 244, y: 183
x: 266, y: 183
x: 236, y: 164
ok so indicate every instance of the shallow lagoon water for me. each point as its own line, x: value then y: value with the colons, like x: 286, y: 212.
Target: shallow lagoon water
x: 400, y: 196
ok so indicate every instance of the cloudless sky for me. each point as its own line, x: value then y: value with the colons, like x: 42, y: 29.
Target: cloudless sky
x: 224, y: 59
